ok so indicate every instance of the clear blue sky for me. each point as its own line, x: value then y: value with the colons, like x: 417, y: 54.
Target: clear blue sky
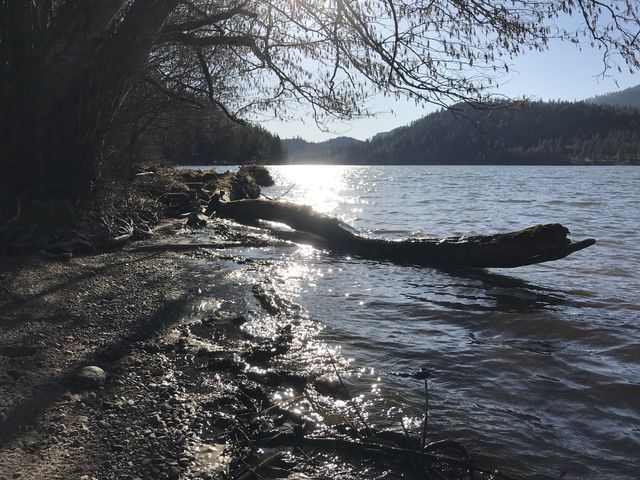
x: 562, y: 73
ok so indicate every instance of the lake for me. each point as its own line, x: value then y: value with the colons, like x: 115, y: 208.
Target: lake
x: 536, y: 369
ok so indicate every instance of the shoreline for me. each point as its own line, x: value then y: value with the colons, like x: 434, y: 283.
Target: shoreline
x: 189, y: 392
x: 185, y: 383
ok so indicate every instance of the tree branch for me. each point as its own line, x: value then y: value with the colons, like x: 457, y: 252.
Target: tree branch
x: 208, y: 20
x: 211, y: 40
x: 210, y: 89
x: 155, y: 83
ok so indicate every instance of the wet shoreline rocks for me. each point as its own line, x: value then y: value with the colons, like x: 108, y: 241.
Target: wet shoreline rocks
x: 135, y: 210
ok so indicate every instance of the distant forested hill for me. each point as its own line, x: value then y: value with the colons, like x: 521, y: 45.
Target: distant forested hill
x: 544, y: 133
x: 330, y: 151
x: 629, y: 97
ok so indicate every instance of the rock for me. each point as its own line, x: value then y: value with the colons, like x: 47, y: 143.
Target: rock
x: 239, y: 320
x: 233, y: 186
x: 326, y: 385
x: 90, y: 377
x: 260, y: 175
x: 179, y: 202
x: 196, y: 220
x: 6, y: 379
x: 174, y: 472
x: 225, y: 364
x: 57, y: 428
x: 157, y: 421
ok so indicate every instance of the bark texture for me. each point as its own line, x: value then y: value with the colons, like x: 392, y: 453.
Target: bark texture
x: 537, y: 244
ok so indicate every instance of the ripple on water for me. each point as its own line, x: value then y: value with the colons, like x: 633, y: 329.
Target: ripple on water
x: 536, y: 367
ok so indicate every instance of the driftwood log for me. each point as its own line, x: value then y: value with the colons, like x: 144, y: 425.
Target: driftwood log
x: 541, y: 243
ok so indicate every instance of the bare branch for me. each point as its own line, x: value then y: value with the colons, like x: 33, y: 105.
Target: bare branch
x: 208, y: 20
x: 169, y: 93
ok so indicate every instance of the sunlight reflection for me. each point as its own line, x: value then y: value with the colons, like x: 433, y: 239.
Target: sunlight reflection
x: 320, y: 186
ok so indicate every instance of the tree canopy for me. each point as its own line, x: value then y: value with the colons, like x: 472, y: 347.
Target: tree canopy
x: 69, y: 68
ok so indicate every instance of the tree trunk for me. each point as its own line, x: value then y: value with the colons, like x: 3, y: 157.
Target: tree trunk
x: 532, y: 245
x: 82, y: 68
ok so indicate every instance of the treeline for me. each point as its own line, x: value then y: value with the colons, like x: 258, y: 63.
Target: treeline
x: 210, y: 139
x: 545, y: 133
x: 629, y: 97
x: 182, y: 133
x: 301, y: 151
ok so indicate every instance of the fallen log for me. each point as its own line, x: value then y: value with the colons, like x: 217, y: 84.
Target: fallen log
x: 541, y: 243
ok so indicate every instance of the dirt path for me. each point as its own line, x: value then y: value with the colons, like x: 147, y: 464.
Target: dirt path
x: 103, y: 310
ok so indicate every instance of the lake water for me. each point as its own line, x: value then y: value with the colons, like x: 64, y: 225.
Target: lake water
x: 536, y: 369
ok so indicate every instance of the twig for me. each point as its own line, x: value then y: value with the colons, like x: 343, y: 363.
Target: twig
x: 426, y: 414
x: 355, y: 407
x: 305, y: 455
x: 278, y: 404
x: 318, y: 407
x: 265, y: 463
x: 280, y: 196
x: 370, y: 448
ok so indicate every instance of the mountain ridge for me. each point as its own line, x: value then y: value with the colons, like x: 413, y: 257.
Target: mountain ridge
x: 629, y: 97
x: 562, y: 133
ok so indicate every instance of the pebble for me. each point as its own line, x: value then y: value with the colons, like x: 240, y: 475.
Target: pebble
x: 90, y: 377
x: 174, y: 472
x: 156, y: 420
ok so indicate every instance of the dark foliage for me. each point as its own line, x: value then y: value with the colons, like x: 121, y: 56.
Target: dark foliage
x: 196, y: 136
x: 545, y: 133
x: 629, y: 97
x: 301, y: 151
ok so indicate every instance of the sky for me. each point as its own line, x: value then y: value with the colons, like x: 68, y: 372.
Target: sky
x: 561, y: 73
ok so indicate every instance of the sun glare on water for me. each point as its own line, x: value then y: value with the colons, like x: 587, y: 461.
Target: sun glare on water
x: 319, y: 186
